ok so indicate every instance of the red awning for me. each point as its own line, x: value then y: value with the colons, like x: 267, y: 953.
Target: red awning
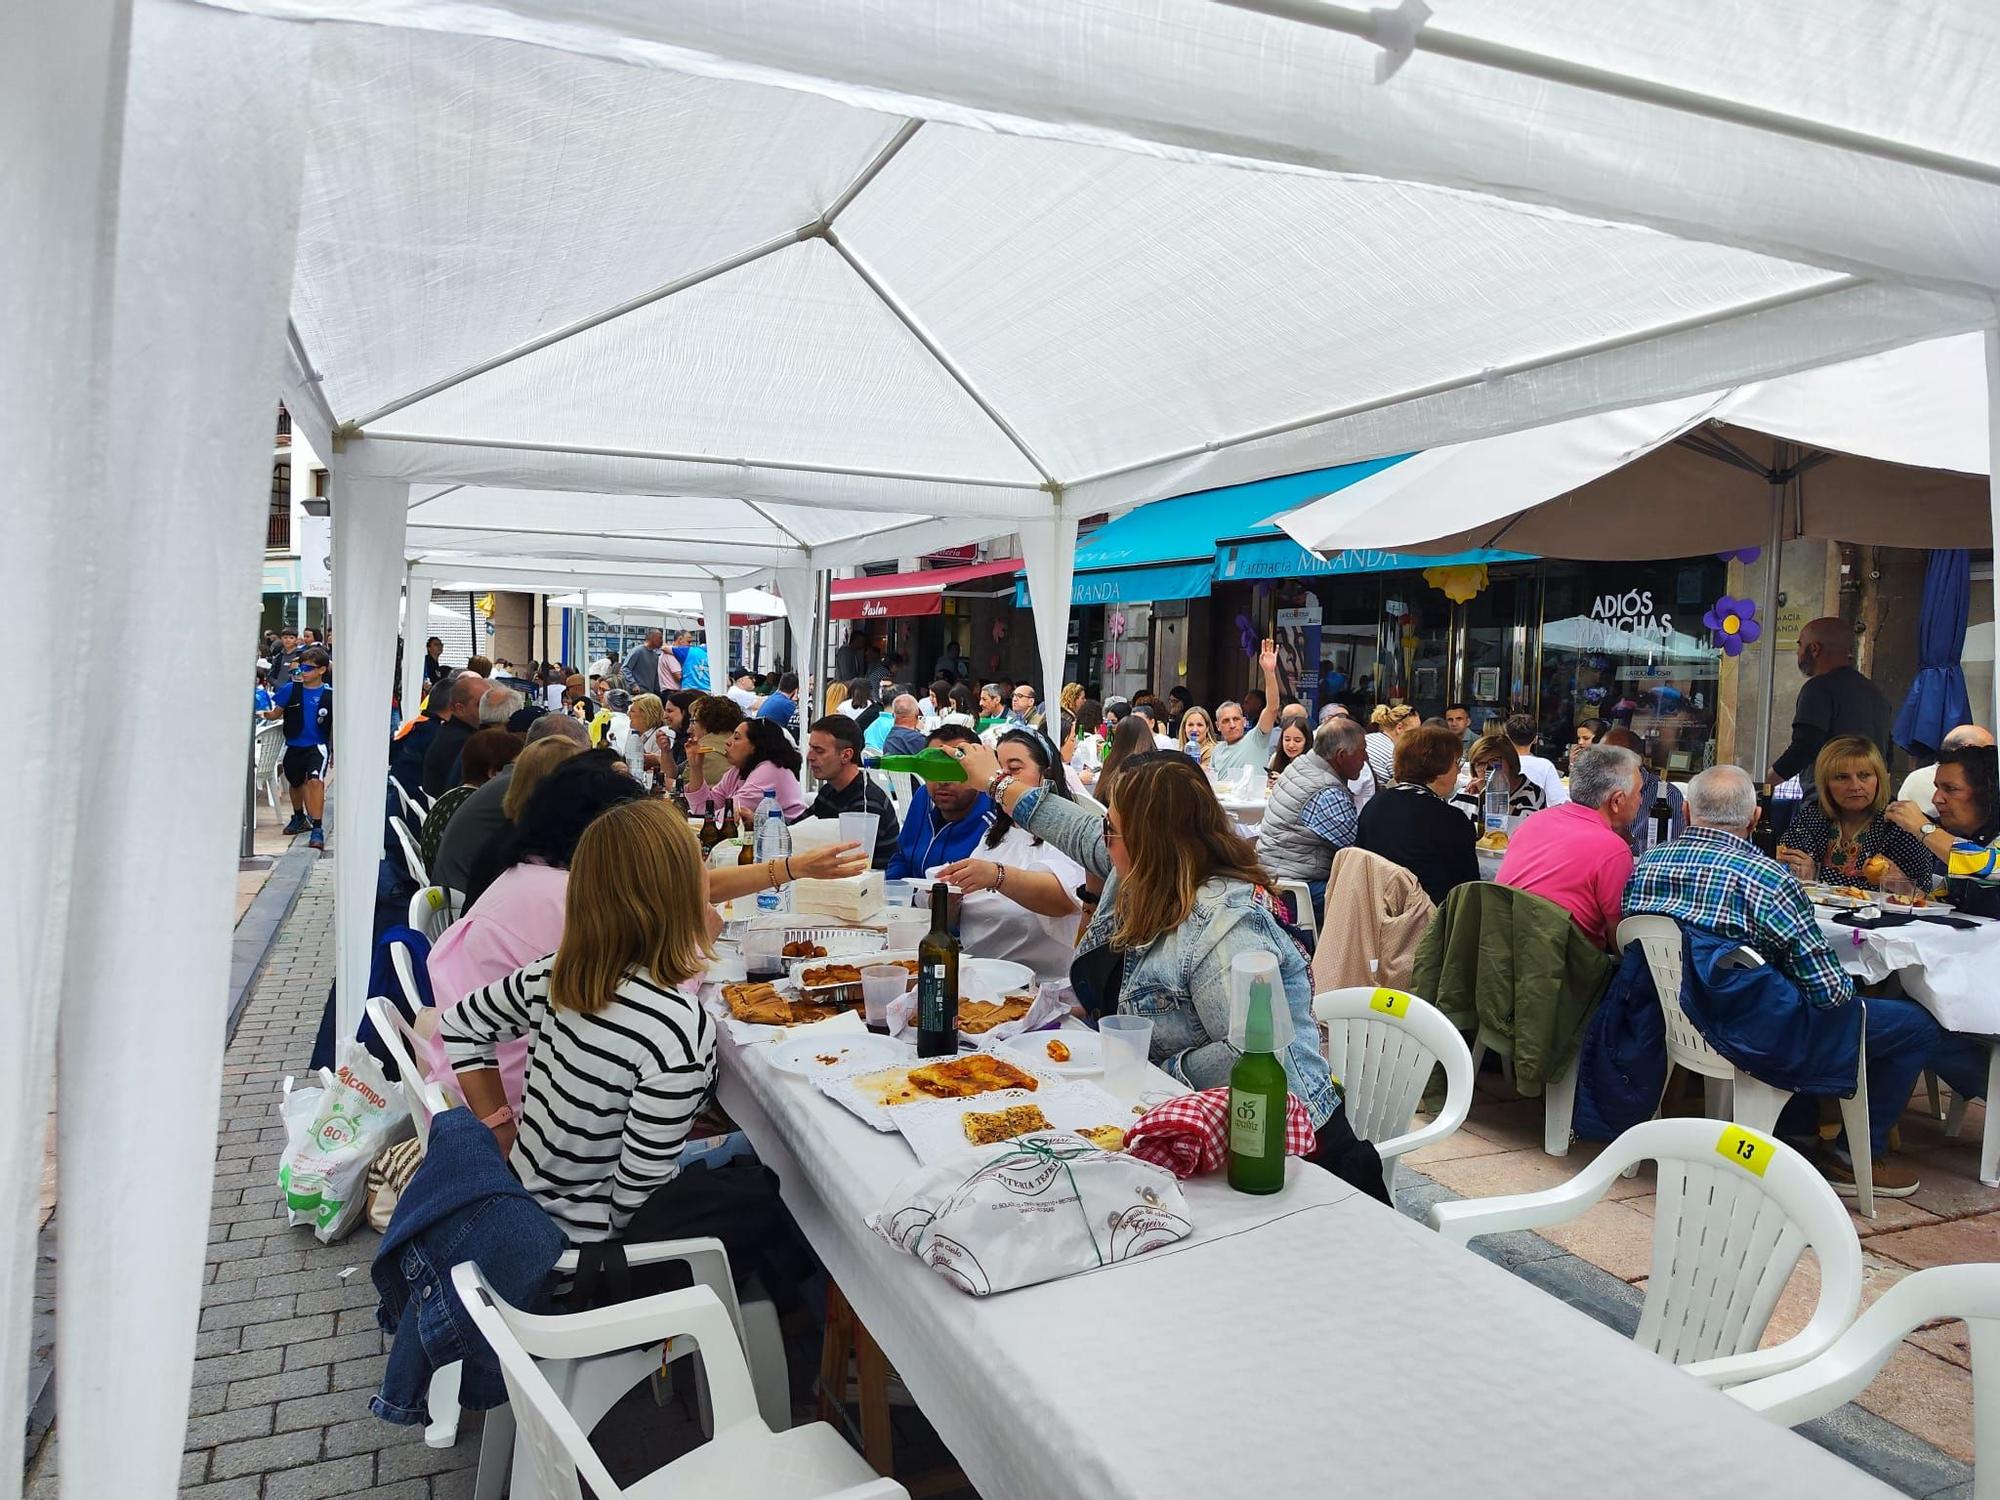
x: 902, y: 595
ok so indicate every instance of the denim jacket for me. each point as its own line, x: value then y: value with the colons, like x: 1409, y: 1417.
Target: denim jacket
x: 1181, y: 978
x: 462, y: 1204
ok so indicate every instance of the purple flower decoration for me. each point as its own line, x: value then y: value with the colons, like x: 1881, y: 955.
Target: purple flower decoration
x: 1732, y: 623
x: 1744, y: 555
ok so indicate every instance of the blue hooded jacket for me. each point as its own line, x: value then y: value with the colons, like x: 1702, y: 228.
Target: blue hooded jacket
x: 462, y: 1204
x: 1755, y: 1017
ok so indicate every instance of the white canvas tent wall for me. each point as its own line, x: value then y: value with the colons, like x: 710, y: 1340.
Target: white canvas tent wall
x: 1132, y: 249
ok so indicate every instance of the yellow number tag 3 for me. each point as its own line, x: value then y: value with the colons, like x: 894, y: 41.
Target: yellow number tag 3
x: 1746, y: 1149
x: 1390, y: 1003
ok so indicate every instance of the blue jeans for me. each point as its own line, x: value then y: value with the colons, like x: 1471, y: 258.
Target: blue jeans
x: 1903, y: 1040
x: 1960, y: 1061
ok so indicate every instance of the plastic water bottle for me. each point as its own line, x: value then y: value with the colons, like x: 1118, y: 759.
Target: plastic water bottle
x: 635, y: 759
x: 774, y: 841
x: 1493, y: 802
x: 1193, y: 750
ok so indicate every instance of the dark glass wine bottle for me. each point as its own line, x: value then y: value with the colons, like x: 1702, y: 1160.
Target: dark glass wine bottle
x: 937, y: 981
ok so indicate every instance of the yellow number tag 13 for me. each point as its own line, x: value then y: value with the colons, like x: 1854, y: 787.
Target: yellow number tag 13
x: 1390, y: 1003
x: 1746, y: 1149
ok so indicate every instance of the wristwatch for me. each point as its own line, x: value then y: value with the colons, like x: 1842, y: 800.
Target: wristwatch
x: 1928, y: 830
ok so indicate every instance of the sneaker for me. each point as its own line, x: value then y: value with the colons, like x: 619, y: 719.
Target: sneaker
x: 299, y: 824
x: 317, y: 839
x: 1891, y: 1178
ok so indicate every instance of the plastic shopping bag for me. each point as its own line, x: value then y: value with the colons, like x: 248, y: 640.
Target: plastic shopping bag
x: 332, y: 1136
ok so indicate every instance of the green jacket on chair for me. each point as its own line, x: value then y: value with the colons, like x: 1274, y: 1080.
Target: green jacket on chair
x: 1516, y: 965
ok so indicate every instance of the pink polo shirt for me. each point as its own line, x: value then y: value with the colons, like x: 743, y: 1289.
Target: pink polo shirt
x: 1569, y: 855
x: 516, y: 920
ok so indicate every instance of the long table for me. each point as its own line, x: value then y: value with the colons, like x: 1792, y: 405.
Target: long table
x: 1311, y: 1342
x: 1947, y: 970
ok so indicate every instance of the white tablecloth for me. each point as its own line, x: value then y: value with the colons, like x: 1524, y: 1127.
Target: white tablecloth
x: 1313, y: 1342
x: 1954, y: 974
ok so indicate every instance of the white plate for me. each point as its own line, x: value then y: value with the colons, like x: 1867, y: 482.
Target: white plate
x: 1086, y: 1052
x: 1826, y: 895
x: 837, y: 1084
x: 1002, y: 975
x: 807, y: 1055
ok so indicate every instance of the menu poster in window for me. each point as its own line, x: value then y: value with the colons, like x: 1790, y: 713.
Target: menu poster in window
x: 1486, y: 685
x: 1298, y: 653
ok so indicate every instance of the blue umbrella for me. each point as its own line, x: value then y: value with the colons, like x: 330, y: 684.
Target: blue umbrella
x: 1937, y: 702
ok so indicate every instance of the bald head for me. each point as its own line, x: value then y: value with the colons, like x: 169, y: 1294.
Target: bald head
x: 1824, y: 644
x: 1965, y: 737
x: 466, y: 690
x: 1723, y: 797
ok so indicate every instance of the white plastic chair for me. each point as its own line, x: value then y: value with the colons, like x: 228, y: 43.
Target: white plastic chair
x: 1382, y: 1045
x: 1989, y: 1145
x: 405, y: 1047
x: 1558, y: 1094
x: 743, y: 1459
x: 433, y: 909
x: 412, y: 860
x: 412, y: 809
x: 1842, y: 1372
x: 1736, y: 1209
x: 270, y: 746
x: 1728, y: 1092
x: 1302, y: 903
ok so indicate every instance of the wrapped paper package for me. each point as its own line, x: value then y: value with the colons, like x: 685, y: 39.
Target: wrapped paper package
x: 1032, y: 1209
x: 855, y: 899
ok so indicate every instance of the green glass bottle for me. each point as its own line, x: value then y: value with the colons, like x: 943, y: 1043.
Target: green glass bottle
x: 937, y: 981
x: 932, y: 763
x: 1257, y: 1099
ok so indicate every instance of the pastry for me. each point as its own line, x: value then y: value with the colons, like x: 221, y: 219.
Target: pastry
x: 1004, y: 1124
x: 974, y: 1073
x: 1104, y: 1137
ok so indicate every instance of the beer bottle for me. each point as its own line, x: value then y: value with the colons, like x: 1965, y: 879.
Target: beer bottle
x: 1258, y: 1091
x: 937, y: 981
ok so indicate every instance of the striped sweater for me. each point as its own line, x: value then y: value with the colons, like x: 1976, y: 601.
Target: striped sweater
x: 610, y: 1097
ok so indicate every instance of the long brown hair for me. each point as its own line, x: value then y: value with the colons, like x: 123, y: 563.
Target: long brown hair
x: 635, y: 902
x: 1178, y: 837
x: 530, y: 766
x: 1124, y: 742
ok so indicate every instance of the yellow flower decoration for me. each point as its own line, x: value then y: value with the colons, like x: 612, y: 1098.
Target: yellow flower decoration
x: 1459, y: 582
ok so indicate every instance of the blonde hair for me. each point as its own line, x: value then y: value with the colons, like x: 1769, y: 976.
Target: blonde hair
x: 1072, y: 694
x: 637, y: 901
x: 646, y: 711
x: 530, y: 767
x: 1386, y: 714
x: 1178, y: 837
x: 1208, y: 731
x: 1843, y: 751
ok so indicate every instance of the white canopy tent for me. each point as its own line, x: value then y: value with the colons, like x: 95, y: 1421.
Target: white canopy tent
x: 983, y: 269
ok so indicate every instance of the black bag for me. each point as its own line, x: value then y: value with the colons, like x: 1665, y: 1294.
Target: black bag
x: 736, y: 1203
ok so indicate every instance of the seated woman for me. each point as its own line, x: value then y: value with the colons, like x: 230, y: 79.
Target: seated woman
x: 762, y: 758
x: 1292, y: 743
x: 1020, y: 900
x: 485, y: 755
x: 622, y: 1054
x: 1494, y: 755
x: 1410, y: 822
x: 1133, y: 736
x: 646, y: 745
x: 1388, y: 723
x: 1183, y: 895
x: 519, y: 917
x: 1197, y: 735
x: 1842, y: 837
x: 707, y: 759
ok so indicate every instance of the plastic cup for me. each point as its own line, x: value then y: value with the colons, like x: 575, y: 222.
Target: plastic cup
x: 881, y: 983
x: 904, y: 928
x: 860, y: 828
x: 1127, y: 1043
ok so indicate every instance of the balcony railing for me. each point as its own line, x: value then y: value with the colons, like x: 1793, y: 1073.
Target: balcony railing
x: 284, y: 437
x: 278, y: 530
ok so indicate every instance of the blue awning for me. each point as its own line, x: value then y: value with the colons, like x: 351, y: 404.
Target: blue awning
x: 1180, y: 548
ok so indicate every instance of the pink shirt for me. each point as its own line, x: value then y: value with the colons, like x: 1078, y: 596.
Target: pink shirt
x: 1570, y: 856
x: 518, y: 919
x: 738, y: 790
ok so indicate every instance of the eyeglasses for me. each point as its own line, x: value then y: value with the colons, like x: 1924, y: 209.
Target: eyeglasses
x: 1110, y: 833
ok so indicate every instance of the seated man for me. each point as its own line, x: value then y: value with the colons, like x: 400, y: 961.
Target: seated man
x: 833, y: 751
x: 903, y: 737
x: 947, y: 818
x: 1712, y: 877
x: 1576, y: 854
x: 1310, y: 816
x: 1520, y: 731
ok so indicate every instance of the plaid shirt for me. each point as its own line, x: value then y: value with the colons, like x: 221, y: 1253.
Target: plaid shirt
x: 1331, y: 816
x: 1714, y: 880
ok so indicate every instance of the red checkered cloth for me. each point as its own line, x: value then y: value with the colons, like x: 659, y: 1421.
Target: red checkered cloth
x: 1191, y: 1134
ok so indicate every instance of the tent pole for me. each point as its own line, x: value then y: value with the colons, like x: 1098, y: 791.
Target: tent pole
x: 583, y: 656
x: 417, y: 608
x: 1774, y: 555
x: 1048, y: 547
x: 715, y: 629
x: 1993, y: 481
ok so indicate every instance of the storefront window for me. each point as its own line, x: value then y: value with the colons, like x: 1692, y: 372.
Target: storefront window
x: 1624, y: 642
